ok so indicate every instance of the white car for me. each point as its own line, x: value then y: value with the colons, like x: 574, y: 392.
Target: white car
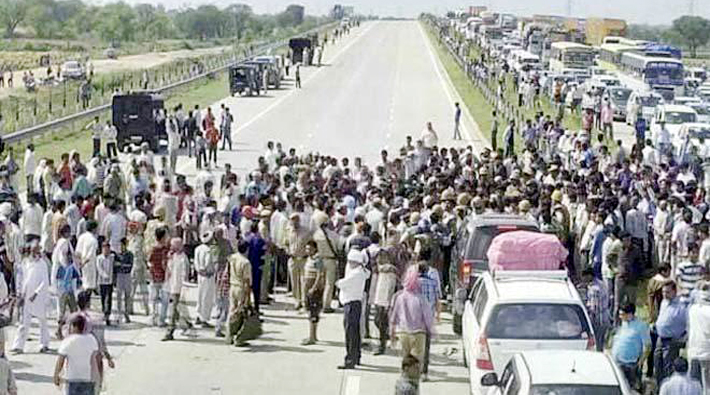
x: 645, y: 102
x: 558, y: 372
x: 692, y: 137
x: 674, y: 116
x: 703, y: 110
x: 513, y: 311
x: 74, y: 70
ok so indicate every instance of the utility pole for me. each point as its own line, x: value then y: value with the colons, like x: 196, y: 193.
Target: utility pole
x: 569, y: 8
x: 691, y: 7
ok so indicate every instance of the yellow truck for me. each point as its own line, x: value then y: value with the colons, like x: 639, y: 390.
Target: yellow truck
x: 598, y: 28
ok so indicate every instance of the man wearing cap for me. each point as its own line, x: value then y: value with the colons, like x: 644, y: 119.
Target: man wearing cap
x: 352, y: 288
x: 296, y: 240
x: 33, y: 294
x: 330, y: 244
x: 205, y: 264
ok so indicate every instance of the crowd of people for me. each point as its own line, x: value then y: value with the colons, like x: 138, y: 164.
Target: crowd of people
x: 632, y: 218
x: 374, y: 241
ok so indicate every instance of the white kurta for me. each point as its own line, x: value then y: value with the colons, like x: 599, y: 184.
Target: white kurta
x: 36, y: 282
x: 206, y: 287
x: 86, y: 249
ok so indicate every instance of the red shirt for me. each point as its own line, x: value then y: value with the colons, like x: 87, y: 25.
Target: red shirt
x: 65, y: 181
x: 158, y: 262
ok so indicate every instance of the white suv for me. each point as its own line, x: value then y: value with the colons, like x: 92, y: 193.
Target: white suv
x: 559, y: 372
x: 514, y: 311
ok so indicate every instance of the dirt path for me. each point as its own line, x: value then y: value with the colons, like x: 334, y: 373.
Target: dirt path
x: 123, y: 63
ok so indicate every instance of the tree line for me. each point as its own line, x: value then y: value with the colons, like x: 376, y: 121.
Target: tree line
x: 690, y: 32
x: 120, y: 22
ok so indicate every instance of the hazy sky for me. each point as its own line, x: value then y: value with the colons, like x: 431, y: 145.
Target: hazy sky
x: 637, y: 11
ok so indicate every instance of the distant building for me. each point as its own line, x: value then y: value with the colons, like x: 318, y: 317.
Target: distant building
x: 349, y: 11
x: 296, y: 13
x: 337, y: 12
x: 476, y: 10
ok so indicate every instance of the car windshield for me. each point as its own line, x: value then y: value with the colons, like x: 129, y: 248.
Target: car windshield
x: 620, y: 95
x: 537, y: 321
x: 700, y: 133
x: 677, y: 117
x: 482, y: 238
x: 701, y: 110
x: 611, y: 82
x: 649, y: 101
x: 570, y: 389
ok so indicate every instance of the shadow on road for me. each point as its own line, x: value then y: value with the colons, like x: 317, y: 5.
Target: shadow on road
x: 33, y: 377
x: 257, y: 348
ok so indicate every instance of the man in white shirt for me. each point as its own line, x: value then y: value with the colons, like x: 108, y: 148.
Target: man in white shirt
x: 206, y: 266
x: 113, y: 228
x: 352, y: 288
x: 171, y: 129
x: 429, y: 137
x: 698, y: 346
x: 679, y: 239
x: 30, y: 165
x: 663, y: 141
x: 175, y: 277
x: 87, y: 247
x: 111, y: 134
x: 80, y: 352
x: 32, y: 214
x: 649, y: 155
x: 34, y: 293
x: 271, y: 155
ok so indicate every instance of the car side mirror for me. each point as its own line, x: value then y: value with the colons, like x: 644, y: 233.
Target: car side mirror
x: 489, y: 380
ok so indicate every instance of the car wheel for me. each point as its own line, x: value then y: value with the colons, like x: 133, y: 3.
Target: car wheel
x: 457, y: 324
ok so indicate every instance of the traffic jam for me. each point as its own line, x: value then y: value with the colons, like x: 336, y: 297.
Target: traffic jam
x: 526, y: 321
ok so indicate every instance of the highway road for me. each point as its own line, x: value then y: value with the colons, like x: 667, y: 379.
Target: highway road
x: 378, y: 85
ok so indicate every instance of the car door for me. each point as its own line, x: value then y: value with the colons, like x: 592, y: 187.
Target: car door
x: 509, y: 380
x: 469, y: 322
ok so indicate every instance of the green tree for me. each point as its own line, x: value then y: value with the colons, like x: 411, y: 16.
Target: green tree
x: 693, y: 31
x: 12, y: 13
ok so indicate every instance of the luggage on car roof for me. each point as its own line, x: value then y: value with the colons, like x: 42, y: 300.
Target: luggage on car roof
x: 524, y: 250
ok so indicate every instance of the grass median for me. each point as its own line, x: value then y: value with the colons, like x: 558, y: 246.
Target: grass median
x: 472, y: 98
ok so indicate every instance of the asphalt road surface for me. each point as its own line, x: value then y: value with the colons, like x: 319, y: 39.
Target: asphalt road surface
x: 378, y: 85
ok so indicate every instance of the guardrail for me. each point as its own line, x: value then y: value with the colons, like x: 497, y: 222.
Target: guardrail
x: 40, y: 129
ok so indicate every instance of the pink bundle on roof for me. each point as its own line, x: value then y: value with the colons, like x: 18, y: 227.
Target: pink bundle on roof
x: 524, y: 250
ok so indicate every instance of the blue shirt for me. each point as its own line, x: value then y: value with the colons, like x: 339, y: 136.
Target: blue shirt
x: 68, y: 279
x: 430, y: 288
x: 679, y: 384
x: 672, y: 321
x: 629, y: 341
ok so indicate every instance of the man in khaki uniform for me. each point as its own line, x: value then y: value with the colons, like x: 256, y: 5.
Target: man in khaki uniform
x: 296, y: 240
x: 239, y: 291
x: 325, y: 238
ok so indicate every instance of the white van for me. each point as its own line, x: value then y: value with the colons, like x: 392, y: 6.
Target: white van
x: 645, y: 102
x: 674, y: 116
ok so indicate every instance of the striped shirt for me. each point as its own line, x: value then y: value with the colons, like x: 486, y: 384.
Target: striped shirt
x: 688, y: 274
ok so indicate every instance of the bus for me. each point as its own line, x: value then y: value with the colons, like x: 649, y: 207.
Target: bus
x: 566, y: 55
x: 661, y: 74
x: 611, y: 52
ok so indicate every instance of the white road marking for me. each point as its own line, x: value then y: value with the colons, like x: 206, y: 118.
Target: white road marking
x: 292, y: 91
x: 451, y: 93
x: 352, y: 385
